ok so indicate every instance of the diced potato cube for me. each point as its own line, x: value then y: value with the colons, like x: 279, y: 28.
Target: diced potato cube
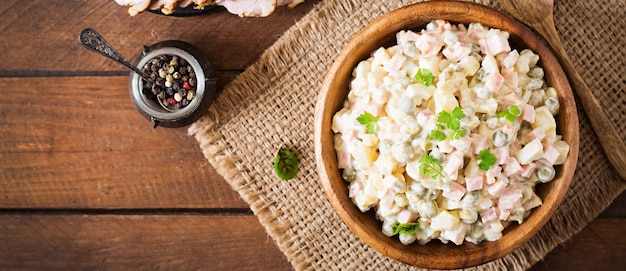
x: 444, y: 101
x: 445, y: 221
x: 545, y: 120
x: 563, y: 149
x: 487, y: 106
x: 532, y: 151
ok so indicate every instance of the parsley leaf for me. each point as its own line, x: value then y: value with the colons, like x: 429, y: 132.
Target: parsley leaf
x: 437, y: 135
x: 458, y: 133
x: 285, y: 164
x: 406, y: 228
x: 511, y: 114
x: 424, y: 76
x: 487, y: 159
x: 450, y: 120
x: 458, y: 113
x: 369, y: 121
x: 429, y: 166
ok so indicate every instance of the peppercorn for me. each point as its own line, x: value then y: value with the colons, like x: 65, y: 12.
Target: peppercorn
x: 162, y: 73
x: 170, y: 69
x: 190, y: 95
x: 160, y: 82
x: 177, y: 97
x: 186, y: 85
x: 174, y: 81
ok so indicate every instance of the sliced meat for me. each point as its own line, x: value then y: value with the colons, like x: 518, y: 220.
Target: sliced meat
x: 200, y: 4
x: 249, y: 8
x: 134, y: 6
x: 166, y: 6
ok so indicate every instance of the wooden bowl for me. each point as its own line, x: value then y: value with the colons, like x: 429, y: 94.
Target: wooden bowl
x: 334, y: 91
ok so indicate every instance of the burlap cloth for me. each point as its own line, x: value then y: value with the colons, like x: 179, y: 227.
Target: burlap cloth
x: 272, y: 103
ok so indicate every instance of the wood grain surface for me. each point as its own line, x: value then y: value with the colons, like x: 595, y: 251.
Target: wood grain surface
x: 87, y: 184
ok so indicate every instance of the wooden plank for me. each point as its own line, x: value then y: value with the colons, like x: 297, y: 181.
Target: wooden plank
x: 79, y: 143
x: 215, y: 242
x: 137, y: 242
x: 33, y: 40
x: 599, y: 246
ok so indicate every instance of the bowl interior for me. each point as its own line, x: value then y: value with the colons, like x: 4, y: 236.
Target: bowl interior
x: 334, y: 91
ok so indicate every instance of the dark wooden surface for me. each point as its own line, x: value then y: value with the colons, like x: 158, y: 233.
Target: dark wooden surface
x: 87, y: 184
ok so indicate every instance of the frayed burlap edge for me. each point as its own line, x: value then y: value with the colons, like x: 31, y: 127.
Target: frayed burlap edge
x: 569, y: 219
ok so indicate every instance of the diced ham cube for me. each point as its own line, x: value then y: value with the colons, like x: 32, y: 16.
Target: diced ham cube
x: 462, y: 144
x: 509, y: 61
x: 479, y: 143
x: 452, y: 164
x: 528, y: 113
x: 550, y: 153
x: 536, y: 133
x: 456, y: 236
x: 344, y: 160
x: 457, y: 51
x: 509, y: 197
x: 496, y: 42
x: 394, y: 64
x: 502, y: 155
x: 386, y: 201
x: 404, y: 36
x: 494, y: 81
x: 474, y: 183
x: 512, y: 167
x: 504, y: 214
x: 355, y: 189
x: 528, y: 169
x: 456, y: 191
x: 496, y: 188
x: 406, y: 216
x: 429, y: 44
x: 489, y: 215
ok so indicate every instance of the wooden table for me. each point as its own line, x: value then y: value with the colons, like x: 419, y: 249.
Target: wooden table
x: 87, y: 184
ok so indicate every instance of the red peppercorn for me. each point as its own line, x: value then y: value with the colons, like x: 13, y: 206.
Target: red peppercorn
x: 186, y: 85
x: 171, y: 100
